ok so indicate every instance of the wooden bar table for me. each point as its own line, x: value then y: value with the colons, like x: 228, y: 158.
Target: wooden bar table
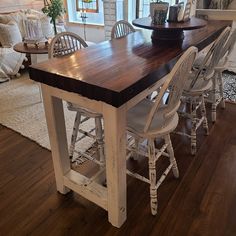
x: 109, y: 78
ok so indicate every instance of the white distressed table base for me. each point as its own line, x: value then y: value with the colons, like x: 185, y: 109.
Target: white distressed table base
x: 113, y: 197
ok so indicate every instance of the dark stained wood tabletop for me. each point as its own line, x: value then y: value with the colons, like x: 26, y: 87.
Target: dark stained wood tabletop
x: 115, y: 71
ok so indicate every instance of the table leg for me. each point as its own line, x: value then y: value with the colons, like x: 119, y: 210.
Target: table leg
x: 57, y: 133
x: 115, y: 153
x: 33, y: 59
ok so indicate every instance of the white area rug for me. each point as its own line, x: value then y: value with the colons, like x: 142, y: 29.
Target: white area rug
x: 232, y: 56
x: 21, y: 111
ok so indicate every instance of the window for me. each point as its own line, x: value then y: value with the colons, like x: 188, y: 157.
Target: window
x: 87, y: 5
x: 90, y: 13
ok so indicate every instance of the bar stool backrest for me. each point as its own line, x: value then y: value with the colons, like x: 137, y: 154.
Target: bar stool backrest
x: 212, y: 57
x: 65, y: 43
x: 175, y: 84
x: 121, y: 28
x: 229, y: 45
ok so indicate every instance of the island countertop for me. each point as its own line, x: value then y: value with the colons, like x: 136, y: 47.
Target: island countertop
x: 115, y: 71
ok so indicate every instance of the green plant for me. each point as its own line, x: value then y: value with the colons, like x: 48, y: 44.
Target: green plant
x: 54, y: 9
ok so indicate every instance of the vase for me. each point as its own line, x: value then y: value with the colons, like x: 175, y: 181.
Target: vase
x: 158, y: 12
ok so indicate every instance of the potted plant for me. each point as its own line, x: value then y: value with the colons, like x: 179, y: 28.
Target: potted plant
x: 158, y: 11
x: 54, y: 9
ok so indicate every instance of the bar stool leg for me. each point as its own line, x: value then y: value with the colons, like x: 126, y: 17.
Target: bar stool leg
x: 74, y: 134
x: 203, y: 113
x: 99, y: 139
x: 213, y: 105
x: 193, y: 127
x: 172, y: 157
x: 152, y: 176
x: 221, y: 90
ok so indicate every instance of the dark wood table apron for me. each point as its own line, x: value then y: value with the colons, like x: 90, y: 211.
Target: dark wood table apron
x: 108, y: 78
x: 170, y: 32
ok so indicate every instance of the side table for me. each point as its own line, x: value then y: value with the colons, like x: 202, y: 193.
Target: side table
x: 32, y: 50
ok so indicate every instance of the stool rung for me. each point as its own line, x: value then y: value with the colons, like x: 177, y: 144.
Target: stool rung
x: 84, y: 154
x: 138, y: 176
x: 86, y: 134
x: 163, y: 176
x: 182, y: 133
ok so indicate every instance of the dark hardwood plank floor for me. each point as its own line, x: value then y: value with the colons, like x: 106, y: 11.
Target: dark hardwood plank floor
x: 201, y: 202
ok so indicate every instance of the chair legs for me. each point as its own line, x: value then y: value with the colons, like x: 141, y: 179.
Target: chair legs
x: 153, y: 157
x: 170, y: 151
x: 100, y: 142
x: 217, y: 81
x: 152, y: 176
x: 195, y: 122
x: 135, y: 154
x: 98, y: 137
x: 193, y: 136
x: 220, y: 79
x: 214, y: 99
x: 203, y: 114
x: 74, y: 134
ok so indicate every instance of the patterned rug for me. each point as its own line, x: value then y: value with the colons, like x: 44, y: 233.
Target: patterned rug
x: 229, y: 79
x: 22, y: 111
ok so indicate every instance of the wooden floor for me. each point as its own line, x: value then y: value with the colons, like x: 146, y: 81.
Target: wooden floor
x: 201, y: 202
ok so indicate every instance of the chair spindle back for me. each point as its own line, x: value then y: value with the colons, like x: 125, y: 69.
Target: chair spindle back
x: 175, y: 82
x: 212, y: 57
x: 121, y: 28
x: 65, y: 43
x: 229, y: 45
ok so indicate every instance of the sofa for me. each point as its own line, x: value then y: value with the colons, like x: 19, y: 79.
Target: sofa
x: 13, y: 30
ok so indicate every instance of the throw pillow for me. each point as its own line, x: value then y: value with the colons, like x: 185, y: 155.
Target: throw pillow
x: 33, y: 29
x: 17, y: 17
x: 46, y: 26
x: 10, y: 34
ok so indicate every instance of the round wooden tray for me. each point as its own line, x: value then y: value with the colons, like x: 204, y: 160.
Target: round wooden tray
x: 170, y: 31
x: 41, y: 48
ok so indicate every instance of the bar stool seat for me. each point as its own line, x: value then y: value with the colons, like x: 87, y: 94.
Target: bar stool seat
x: 200, y: 85
x: 161, y: 125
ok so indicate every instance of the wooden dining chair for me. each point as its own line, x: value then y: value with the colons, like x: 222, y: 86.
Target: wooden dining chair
x: 63, y: 44
x: 121, y: 28
x: 216, y: 95
x: 198, y: 85
x: 151, y: 120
